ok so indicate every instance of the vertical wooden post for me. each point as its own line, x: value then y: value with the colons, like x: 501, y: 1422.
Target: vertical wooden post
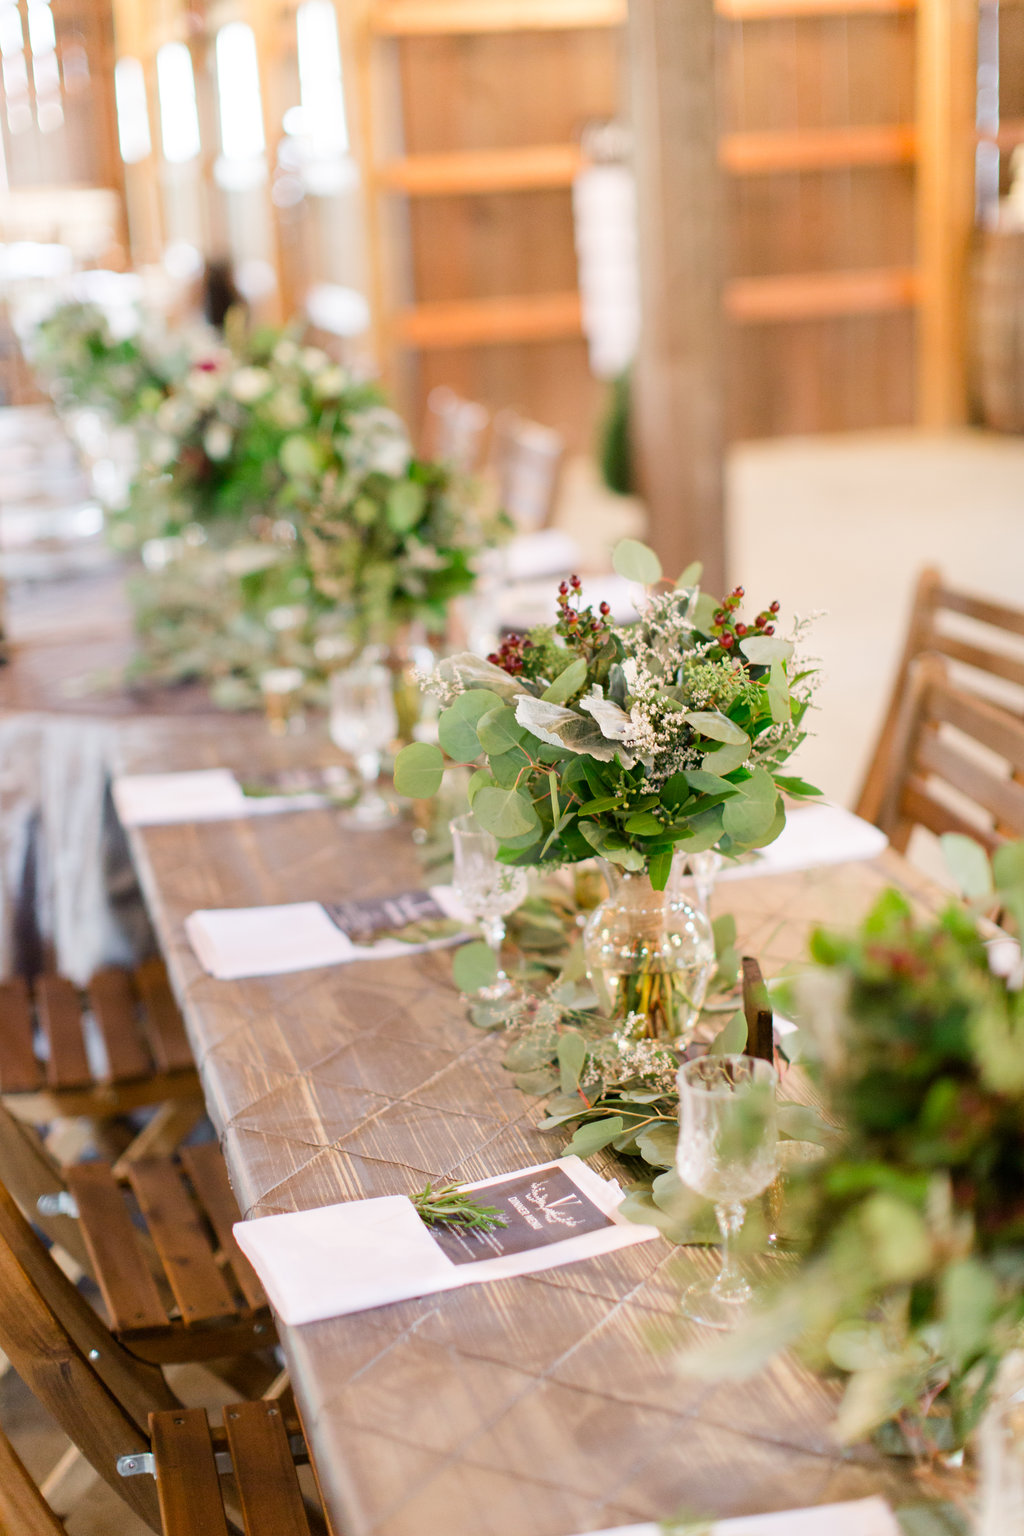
x: 679, y: 374
x: 947, y: 53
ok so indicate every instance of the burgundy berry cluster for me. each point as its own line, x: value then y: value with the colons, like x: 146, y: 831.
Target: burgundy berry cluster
x: 510, y: 655
x: 727, y: 630
x: 579, y: 625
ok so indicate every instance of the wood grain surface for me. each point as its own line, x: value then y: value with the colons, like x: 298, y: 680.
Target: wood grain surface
x: 531, y: 1407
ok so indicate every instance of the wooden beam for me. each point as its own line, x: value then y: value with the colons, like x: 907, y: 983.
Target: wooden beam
x: 678, y: 406
x: 771, y: 10
x: 419, y: 18
x: 815, y: 295
x: 485, y: 322
x: 947, y: 36
x: 484, y: 170
x: 817, y: 149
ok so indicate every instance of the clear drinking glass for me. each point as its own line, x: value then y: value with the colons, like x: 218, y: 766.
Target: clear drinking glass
x: 487, y: 889
x: 727, y: 1152
x: 363, y: 722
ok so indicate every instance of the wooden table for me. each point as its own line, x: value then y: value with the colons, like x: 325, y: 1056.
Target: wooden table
x: 530, y: 1407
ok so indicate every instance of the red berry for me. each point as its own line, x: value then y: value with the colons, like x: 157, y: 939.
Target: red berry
x: 741, y: 630
x: 606, y: 609
x: 727, y: 642
x: 719, y: 616
x: 774, y: 607
x: 494, y: 659
x: 575, y: 583
x: 769, y: 629
x: 563, y: 587
x: 738, y: 592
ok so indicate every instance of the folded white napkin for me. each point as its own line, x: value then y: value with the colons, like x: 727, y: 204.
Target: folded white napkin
x: 232, y: 942
x: 368, y: 1253
x: 548, y: 552
x: 206, y: 794
x: 813, y: 835
x: 864, y: 1517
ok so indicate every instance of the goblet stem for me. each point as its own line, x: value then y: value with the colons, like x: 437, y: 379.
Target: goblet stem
x: 493, y: 929
x: 730, y: 1284
x: 368, y: 764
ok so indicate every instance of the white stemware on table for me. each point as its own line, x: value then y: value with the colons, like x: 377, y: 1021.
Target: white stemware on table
x: 363, y: 723
x: 486, y: 888
x: 727, y: 1152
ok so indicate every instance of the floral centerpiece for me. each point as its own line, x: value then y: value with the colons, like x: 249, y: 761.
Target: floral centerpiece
x: 912, y: 1279
x: 86, y: 364
x: 629, y: 743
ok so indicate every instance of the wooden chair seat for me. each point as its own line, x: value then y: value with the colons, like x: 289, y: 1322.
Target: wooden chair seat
x: 45, y: 1066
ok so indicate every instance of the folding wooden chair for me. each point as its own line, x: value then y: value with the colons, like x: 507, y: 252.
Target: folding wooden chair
x: 23, y: 1510
x: 96, y: 1056
x: 158, y: 1243
x: 983, y: 640
x: 128, y: 1423
x: 957, y: 764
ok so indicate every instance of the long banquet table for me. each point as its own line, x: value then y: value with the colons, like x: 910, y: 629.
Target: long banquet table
x: 529, y: 1407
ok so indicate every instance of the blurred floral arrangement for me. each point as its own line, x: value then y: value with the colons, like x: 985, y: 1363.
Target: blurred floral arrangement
x: 911, y: 1282
x: 278, y: 509
x: 625, y: 742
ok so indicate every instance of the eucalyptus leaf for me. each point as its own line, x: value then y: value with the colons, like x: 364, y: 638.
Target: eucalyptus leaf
x: 504, y: 812
x: 405, y: 504
x: 657, y: 1144
x: 691, y: 576
x: 726, y: 758
x: 474, y: 966
x: 569, y: 681
x: 594, y: 1135
x: 762, y: 650
x: 466, y: 671
x: 498, y: 730
x: 419, y: 769
x: 636, y: 562
x: 456, y: 725
x: 718, y: 727
x: 572, y: 1053
x: 731, y: 1040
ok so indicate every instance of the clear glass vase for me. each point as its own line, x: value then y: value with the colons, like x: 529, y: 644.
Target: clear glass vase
x: 650, y: 953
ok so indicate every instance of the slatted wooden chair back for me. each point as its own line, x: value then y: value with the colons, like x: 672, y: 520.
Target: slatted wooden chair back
x: 958, y: 764
x: 526, y: 458
x: 455, y: 429
x: 159, y: 1244
x: 984, y: 642
x: 262, y: 1453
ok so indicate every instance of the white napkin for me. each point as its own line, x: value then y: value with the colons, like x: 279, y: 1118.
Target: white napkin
x: 813, y: 835
x: 369, y: 1253
x: 864, y: 1517
x: 548, y: 552
x: 232, y: 942
x: 523, y: 604
x: 206, y: 794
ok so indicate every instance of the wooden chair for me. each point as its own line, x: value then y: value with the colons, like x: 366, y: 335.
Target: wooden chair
x: 455, y: 429
x: 23, y: 1510
x: 984, y: 641
x: 526, y: 459
x: 128, y: 1423
x: 957, y: 764
x: 158, y: 1243
x: 52, y: 1036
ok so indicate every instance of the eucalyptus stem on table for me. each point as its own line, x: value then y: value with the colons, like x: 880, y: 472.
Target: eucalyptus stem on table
x: 449, y: 1205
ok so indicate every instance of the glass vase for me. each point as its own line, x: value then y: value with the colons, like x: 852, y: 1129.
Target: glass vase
x: 650, y: 953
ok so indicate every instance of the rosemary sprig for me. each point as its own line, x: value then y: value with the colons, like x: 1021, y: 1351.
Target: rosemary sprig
x: 450, y: 1206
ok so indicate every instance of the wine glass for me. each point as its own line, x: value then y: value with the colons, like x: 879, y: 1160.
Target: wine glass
x: 487, y: 889
x: 363, y: 722
x: 727, y: 1152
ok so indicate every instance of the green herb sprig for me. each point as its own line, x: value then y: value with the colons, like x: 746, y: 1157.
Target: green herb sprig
x: 451, y: 1206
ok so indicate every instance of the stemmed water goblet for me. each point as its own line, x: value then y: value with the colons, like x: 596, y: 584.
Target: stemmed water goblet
x: 362, y: 723
x: 486, y: 888
x: 727, y: 1152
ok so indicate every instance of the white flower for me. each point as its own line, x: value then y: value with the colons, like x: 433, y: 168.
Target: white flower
x: 250, y: 384
x: 217, y: 440
x: 203, y: 385
x: 377, y: 442
x: 286, y: 409
x: 314, y: 359
x: 162, y: 451
x: 329, y: 384
x: 285, y: 353
x: 174, y: 415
